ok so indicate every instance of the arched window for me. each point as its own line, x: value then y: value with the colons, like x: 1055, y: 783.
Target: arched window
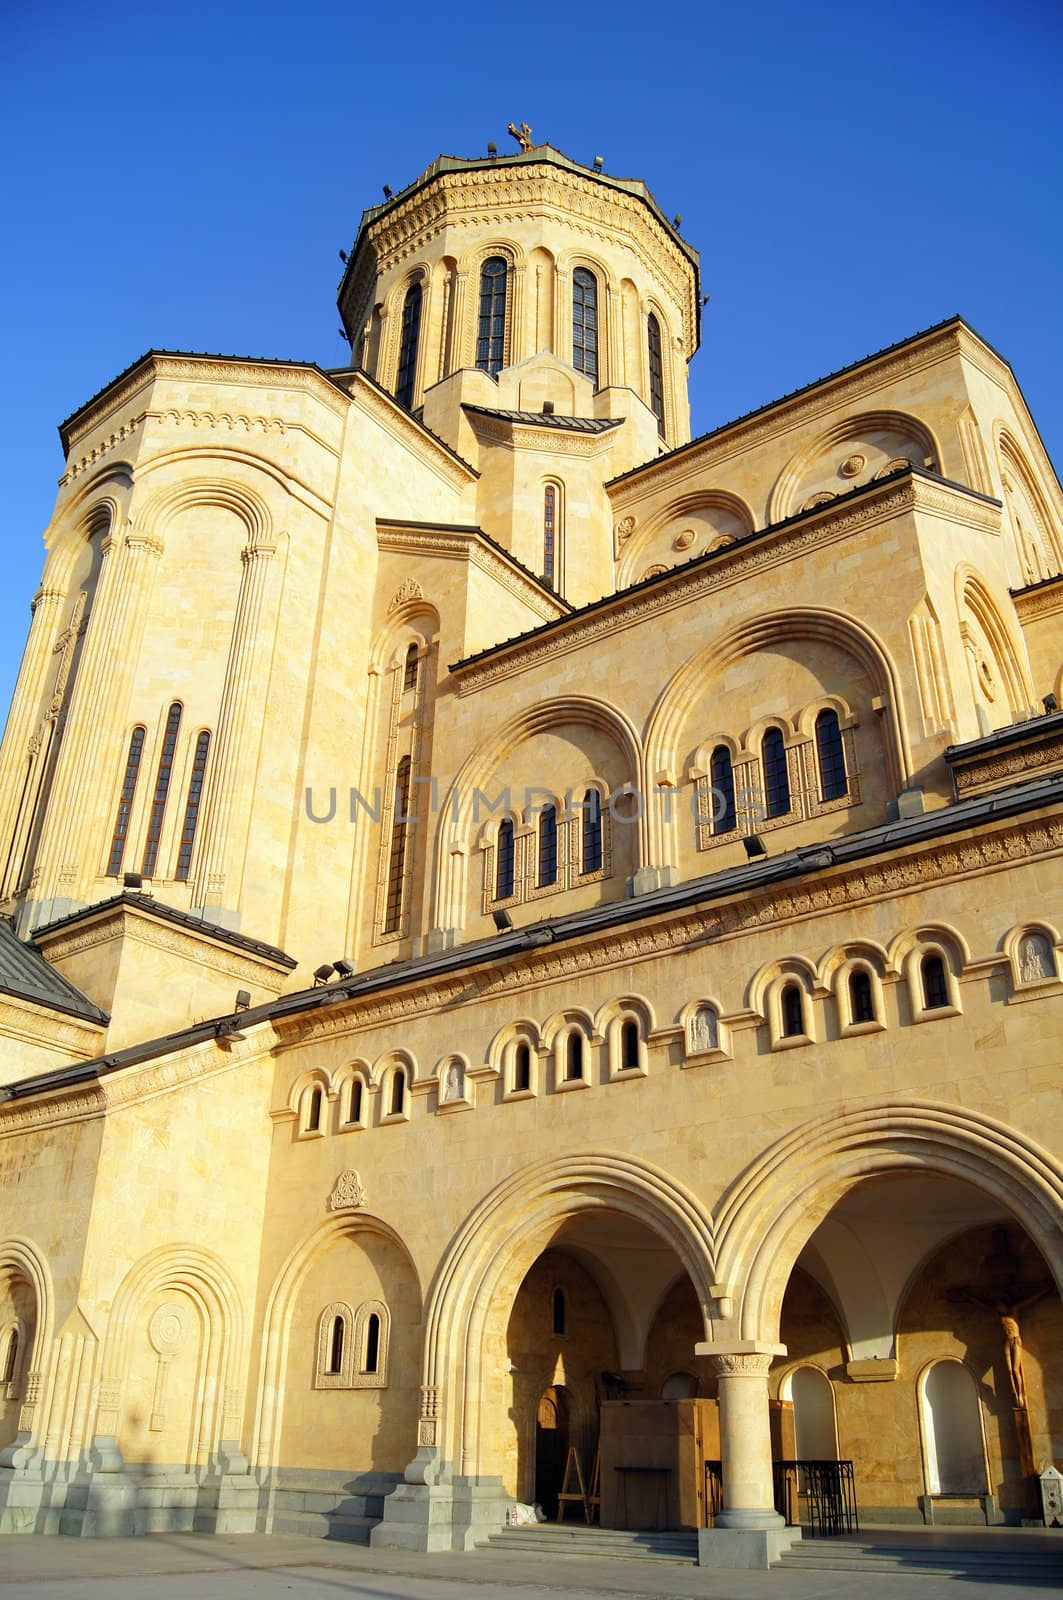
x: 125, y: 802
x: 522, y: 1066
x: 335, y: 1359
x: 574, y: 1056
x: 371, y: 1358
x: 491, y: 330
x: 356, y: 1100
x: 504, y: 865
x: 721, y: 774
x: 398, y: 1093
x: 313, y: 1112
x: 195, y: 795
x: 397, y: 858
x: 549, y: 534
x: 547, y: 847
x: 559, y: 1311
x: 629, y: 1044
x: 12, y: 1357
x: 776, y: 777
x: 409, y: 671
x: 411, y: 328
x: 935, y: 983
x: 656, y: 368
x: 861, y: 996
x: 815, y: 1429
x: 953, y: 1437
x: 792, y: 1011
x: 585, y: 323
x: 679, y: 1386
x: 162, y: 789
x: 592, y: 831
x: 830, y: 757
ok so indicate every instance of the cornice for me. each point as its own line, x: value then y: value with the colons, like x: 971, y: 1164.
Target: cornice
x: 1044, y: 600
x: 455, y: 546
x: 123, y: 921
x: 550, y: 441
x: 36, y: 1024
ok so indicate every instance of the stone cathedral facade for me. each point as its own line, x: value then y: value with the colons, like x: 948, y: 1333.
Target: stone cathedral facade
x: 512, y: 910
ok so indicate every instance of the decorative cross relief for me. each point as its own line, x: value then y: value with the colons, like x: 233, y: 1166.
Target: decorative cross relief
x: 347, y: 1192
x: 408, y: 590
x: 166, y: 1333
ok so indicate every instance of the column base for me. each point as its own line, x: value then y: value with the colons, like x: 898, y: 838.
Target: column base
x: 457, y: 1515
x: 744, y: 1549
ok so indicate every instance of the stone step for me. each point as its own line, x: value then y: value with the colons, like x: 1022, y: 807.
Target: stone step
x: 823, y: 1555
x: 324, y: 1525
x: 618, y: 1544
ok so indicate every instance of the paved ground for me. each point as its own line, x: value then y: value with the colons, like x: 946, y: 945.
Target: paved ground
x: 278, y: 1567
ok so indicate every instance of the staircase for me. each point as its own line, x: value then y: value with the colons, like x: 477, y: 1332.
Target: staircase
x: 920, y: 1559
x: 555, y: 1539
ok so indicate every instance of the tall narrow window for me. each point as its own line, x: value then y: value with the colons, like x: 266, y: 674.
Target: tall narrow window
x: 547, y: 847
x: 935, y: 984
x: 585, y: 323
x: 397, y: 859
x: 549, y: 534
x: 372, y: 1344
x: 409, y: 671
x: 830, y: 756
x: 721, y: 774
x: 411, y: 328
x: 792, y: 1007
x: 335, y: 1359
x: 12, y: 1357
x: 504, y: 868
x: 162, y: 789
x: 629, y: 1045
x: 776, y: 777
x: 592, y: 831
x: 313, y: 1112
x: 491, y: 330
x: 195, y: 794
x: 861, y: 996
x: 354, y: 1105
x: 559, y: 1311
x: 656, y: 366
x: 574, y: 1055
x: 522, y: 1066
x: 125, y: 802
x: 398, y: 1093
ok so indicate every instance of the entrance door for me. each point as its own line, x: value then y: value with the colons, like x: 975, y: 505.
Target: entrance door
x: 551, y: 1448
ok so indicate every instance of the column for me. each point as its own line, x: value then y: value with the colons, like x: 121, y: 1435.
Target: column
x: 615, y: 336
x: 749, y: 1532
x: 519, y: 340
x: 26, y: 704
x: 458, y: 342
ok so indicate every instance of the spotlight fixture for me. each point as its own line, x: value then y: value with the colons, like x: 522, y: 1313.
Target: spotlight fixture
x: 345, y: 969
x: 753, y: 845
x: 492, y: 148
x: 343, y: 257
x: 548, y: 408
x: 322, y: 974
x: 132, y: 880
x: 243, y: 999
x: 677, y: 220
x: 228, y: 1031
x: 503, y: 921
x: 599, y: 163
x: 1050, y: 702
x: 387, y: 191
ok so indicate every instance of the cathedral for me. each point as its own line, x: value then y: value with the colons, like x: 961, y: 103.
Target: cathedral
x: 530, y: 968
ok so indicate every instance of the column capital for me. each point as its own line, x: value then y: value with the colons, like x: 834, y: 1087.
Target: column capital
x: 741, y: 1358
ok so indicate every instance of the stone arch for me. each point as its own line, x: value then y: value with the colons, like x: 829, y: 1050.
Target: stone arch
x: 497, y: 1244
x: 900, y: 429
x: 208, y: 1282
x: 98, y: 507
x: 247, y: 504
x: 700, y: 504
x: 1017, y: 473
x: 772, y: 1209
x: 24, y: 1259
x: 974, y: 602
x: 277, y: 1320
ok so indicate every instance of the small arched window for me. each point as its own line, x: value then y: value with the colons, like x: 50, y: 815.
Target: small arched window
x: 398, y: 1093
x: 522, y: 1066
x: 397, y: 857
x: 371, y: 1357
x: 585, y: 323
x: 504, y: 865
x: 162, y: 789
x: 935, y: 982
x: 335, y: 1359
x: 830, y: 757
x: 592, y: 831
x: 409, y: 671
x: 656, y: 370
x: 547, y: 847
x: 792, y: 1011
x: 125, y: 802
x: 195, y: 795
x: 574, y: 1056
x: 629, y: 1044
x: 861, y: 996
x: 411, y: 329
x: 11, y: 1358
x: 721, y: 774
x: 313, y: 1111
x: 550, y: 534
x: 776, y: 776
x: 356, y: 1100
x: 559, y: 1309
x: 491, y: 329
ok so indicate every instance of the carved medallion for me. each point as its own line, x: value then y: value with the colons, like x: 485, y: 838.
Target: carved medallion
x: 347, y: 1192
x: 410, y: 590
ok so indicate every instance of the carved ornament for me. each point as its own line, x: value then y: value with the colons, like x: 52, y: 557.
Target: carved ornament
x: 347, y: 1193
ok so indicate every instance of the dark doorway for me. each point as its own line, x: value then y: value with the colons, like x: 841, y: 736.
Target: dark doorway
x: 551, y: 1448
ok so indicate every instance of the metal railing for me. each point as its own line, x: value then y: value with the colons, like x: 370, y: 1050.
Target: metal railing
x: 828, y: 1490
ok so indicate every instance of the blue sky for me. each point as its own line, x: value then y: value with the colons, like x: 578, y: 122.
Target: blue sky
x: 184, y: 177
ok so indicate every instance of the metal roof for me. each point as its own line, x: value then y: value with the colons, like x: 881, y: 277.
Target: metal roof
x: 25, y: 973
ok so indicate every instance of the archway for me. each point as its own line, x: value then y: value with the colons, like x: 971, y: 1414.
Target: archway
x: 551, y: 1447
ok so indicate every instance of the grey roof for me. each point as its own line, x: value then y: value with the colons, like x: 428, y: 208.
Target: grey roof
x: 184, y: 919
x: 1044, y: 723
x: 24, y: 972
x: 549, y: 419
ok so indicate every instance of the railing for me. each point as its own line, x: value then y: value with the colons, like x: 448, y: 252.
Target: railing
x: 828, y: 1489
